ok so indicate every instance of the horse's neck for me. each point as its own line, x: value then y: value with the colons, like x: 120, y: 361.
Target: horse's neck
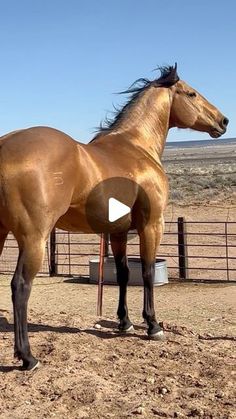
x: 146, y: 122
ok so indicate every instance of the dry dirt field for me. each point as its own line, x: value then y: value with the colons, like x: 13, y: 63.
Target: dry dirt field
x: 92, y: 372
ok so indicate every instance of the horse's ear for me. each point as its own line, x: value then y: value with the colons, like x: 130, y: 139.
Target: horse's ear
x: 168, y: 77
x: 174, y: 73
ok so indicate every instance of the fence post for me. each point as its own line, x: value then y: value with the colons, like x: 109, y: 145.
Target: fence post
x: 52, y: 254
x: 106, y: 245
x: 183, y: 250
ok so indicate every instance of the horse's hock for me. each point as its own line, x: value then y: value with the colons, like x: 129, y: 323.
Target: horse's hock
x: 109, y: 271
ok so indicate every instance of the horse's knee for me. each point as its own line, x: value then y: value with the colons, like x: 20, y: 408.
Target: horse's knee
x: 17, y: 283
x: 31, y: 257
x: 20, y: 289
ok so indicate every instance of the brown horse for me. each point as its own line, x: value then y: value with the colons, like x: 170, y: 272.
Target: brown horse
x: 46, y: 178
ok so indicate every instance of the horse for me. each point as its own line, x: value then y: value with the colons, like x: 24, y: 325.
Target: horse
x: 46, y: 178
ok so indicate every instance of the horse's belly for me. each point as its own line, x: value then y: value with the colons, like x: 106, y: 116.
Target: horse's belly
x: 74, y: 220
x: 93, y: 222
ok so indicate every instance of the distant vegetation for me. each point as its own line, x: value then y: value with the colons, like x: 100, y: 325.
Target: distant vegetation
x: 202, y: 174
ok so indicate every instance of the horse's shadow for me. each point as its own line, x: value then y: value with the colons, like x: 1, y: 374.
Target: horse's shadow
x: 9, y: 368
x: 5, y: 326
x: 108, y: 329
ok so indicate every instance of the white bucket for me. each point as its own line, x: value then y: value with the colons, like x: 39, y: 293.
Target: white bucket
x: 161, y: 275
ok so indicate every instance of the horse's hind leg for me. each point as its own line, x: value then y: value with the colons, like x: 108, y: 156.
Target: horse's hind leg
x: 31, y: 252
x: 118, y: 245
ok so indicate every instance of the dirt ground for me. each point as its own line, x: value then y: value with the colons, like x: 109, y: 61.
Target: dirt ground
x: 89, y: 371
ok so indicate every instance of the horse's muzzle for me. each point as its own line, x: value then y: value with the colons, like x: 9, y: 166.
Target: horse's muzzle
x: 224, y: 122
x: 216, y: 132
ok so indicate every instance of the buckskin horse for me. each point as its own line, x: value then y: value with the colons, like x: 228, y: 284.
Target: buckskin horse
x: 46, y: 178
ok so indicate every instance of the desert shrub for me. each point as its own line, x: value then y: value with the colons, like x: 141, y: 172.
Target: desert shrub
x: 192, y: 187
x: 176, y: 195
x: 209, y: 193
x: 203, y: 182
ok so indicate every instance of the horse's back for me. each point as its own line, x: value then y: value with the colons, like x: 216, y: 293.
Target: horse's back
x: 37, y: 174
x: 39, y: 137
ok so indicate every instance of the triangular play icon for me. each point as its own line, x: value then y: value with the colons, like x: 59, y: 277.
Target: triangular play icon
x: 116, y: 209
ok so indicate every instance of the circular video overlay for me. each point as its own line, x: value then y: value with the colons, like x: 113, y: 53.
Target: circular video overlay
x: 117, y: 205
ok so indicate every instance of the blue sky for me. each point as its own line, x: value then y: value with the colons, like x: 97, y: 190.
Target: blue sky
x: 62, y: 61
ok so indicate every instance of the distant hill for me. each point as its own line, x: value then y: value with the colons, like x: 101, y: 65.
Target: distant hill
x: 201, y: 143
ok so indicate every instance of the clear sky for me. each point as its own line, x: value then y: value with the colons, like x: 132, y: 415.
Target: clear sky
x: 63, y: 60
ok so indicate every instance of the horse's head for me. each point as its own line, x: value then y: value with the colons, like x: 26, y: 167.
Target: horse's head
x: 191, y: 110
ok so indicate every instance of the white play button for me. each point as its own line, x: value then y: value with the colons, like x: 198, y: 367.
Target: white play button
x: 116, y: 209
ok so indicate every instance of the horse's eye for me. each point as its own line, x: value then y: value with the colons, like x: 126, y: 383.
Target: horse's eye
x: 191, y: 94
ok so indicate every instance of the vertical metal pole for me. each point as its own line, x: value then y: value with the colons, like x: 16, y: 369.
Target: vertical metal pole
x: 69, y: 253
x: 52, y: 254
x: 100, y: 275
x: 183, y: 250
x: 227, y: 250
x: 106, y: 245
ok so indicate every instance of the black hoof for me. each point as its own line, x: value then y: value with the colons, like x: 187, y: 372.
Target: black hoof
x: 127, y: 331
x: 126, y: 327
x: 157, y: 336
x: 155, y: 332
x: 30, y: 365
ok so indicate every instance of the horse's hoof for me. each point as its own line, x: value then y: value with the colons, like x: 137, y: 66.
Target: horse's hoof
x: 30, y: 365
x: 157, y: 336
x: 37, y: 365
x: 129, y: 329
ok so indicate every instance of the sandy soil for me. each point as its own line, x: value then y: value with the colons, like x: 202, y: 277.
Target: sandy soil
x: 92, y: 372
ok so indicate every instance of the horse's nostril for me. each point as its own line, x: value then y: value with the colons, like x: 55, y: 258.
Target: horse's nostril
x: 225, y: 122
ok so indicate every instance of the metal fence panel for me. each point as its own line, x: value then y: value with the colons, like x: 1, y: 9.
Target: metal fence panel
x: 210, y: 251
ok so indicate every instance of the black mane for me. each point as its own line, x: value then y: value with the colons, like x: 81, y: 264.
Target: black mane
x: 167, y: 79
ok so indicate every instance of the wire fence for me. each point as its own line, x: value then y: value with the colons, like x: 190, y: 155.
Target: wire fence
x: 201, y: 251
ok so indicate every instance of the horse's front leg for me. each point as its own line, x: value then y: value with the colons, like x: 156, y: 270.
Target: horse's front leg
x: 118, y: 245
x: 150, y: 239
